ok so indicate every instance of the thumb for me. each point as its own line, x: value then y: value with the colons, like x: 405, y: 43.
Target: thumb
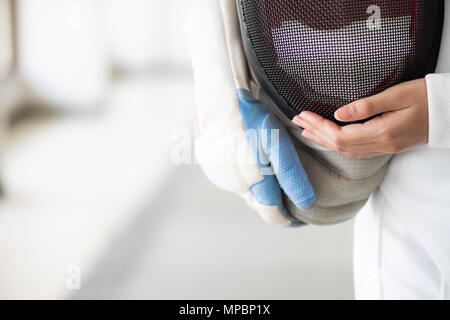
x: 368, y: 107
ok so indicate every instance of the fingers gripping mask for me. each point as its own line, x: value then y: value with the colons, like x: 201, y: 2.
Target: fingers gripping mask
x: 320, y: 55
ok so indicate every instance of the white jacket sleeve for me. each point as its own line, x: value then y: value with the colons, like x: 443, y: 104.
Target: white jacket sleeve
x: 222, y: 147
x: 438, y: 86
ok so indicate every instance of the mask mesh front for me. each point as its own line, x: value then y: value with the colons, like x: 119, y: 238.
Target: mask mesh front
x: 320, y: 55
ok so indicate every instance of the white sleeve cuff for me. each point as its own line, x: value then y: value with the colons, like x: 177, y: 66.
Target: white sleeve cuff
x: 438, y: 86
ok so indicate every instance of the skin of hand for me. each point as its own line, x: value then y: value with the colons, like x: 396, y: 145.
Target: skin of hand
x: 401, y: 123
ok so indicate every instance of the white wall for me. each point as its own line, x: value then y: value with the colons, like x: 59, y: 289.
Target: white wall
x: 133, y: 37
x: 6, y: 53
x: 142, y: 34
x: 61, y: 52
x: 66, y: 47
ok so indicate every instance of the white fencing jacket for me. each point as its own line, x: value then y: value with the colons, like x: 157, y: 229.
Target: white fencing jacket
x: 407, y: 221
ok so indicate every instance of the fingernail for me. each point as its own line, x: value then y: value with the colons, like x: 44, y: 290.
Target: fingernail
x: 297, y: 120
x: 344, y: 113
x: 304, y: 115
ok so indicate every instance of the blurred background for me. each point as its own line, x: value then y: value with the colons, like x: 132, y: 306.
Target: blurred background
x: 94, y: 96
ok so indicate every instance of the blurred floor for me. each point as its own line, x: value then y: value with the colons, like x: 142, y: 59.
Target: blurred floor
x: 100, y: 193
x: 195, y: 241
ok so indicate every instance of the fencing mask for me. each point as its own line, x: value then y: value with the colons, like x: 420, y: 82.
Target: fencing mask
x: 321, y: 55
